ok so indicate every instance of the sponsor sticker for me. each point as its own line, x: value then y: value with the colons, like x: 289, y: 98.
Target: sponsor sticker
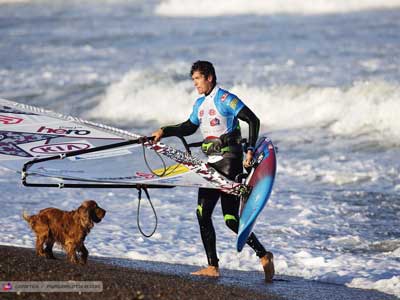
x: 19, y: 143
x: 49, y: 130
x: 215, y: 122
x: 7, y: 120
x: 234, y: 103
x: 260, y: 158
x: 223, y: 97
x: 59, y: 148
x: 144, y: 175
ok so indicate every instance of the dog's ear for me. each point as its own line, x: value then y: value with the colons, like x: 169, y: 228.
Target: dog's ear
x: 87, y: 203
x: 85, y: 216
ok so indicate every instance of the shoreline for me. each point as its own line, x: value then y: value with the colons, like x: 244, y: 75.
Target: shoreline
x: 133, y: 279
x: 22, y: 264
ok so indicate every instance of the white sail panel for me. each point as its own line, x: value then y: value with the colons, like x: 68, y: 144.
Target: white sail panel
x: 28, y: 133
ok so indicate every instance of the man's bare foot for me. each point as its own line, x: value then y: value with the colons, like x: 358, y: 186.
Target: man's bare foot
x: 209, y: 271
x: 267, y: 262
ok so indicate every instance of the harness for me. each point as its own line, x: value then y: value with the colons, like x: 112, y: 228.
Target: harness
x: 226, y: 143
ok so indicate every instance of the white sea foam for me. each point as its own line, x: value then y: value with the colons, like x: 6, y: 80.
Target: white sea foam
x: 361, y: 109
x: 290, y: 222
x: 61, y: 1
x: 205, y: 8
x: 390, y: 285
x: 144, y: 96
x: 13, y: 1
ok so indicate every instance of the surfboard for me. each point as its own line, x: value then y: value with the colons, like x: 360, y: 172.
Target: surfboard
x: 261, y: 181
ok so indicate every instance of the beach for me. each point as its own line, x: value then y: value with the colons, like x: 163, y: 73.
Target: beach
x: 130, y: 279
x: 21, y: 264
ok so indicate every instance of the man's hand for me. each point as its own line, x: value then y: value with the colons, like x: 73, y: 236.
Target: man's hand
x: 157, y: 135
x: 248, y: 162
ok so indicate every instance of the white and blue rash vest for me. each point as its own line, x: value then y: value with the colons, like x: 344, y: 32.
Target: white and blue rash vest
x: 216, y: 113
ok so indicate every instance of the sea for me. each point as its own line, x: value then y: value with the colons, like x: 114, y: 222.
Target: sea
x: 322, y: 76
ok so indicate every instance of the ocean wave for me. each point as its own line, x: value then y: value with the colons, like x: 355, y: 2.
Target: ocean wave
x: 362, y: 109
x: 63, y: 2
x: 207, y: 8
x: 13, y: 1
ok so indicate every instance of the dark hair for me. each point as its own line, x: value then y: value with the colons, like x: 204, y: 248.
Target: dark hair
x: 205, y: 68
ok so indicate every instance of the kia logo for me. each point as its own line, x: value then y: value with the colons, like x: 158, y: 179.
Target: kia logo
x: 59, y: 148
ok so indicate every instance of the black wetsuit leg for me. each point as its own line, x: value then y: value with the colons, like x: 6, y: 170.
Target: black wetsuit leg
x: 230, y: 203
x: 230, y: 166
x: 207, y: 199
x: 230, y: 209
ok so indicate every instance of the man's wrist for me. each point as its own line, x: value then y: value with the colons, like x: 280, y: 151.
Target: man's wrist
x: 251, y: 149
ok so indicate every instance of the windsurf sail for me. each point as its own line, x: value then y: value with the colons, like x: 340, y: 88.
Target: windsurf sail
x: 40, y: 143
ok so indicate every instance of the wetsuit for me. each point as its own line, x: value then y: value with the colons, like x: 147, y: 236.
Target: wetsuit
x: 217, y: 114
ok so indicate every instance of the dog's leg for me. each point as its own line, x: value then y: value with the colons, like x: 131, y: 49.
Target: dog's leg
x: 71, y: 252
x: 84, y: 254
x: 49, y: 249
x: 40, y: 239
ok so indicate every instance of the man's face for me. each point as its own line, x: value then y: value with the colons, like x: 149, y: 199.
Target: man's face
x: 201, y: 83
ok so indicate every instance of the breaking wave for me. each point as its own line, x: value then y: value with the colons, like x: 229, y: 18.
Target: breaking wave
x: 364, y: 108
x: 207, y: 8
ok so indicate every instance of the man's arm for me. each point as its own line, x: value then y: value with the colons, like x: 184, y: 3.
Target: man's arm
x: 245, y: 114
x: 250, y: 118
x: 182, y: 129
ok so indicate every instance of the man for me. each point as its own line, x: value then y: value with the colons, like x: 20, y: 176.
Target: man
x: 216, y: 114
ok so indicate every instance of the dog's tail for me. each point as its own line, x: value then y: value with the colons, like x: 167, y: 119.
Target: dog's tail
x: 26, y: 216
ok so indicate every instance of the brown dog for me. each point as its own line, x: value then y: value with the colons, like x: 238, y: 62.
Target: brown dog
x: 68, y: 228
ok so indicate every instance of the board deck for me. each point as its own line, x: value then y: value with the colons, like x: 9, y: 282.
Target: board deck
x: 261, y: 182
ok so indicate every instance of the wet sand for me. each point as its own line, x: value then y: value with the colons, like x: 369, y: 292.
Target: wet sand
x: 21, y: 264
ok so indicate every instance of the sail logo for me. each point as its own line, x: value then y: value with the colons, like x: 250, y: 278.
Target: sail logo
x: 144, y: 175
x: 45, y: 129
x: 59, y: 148
x: 6, y: 120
